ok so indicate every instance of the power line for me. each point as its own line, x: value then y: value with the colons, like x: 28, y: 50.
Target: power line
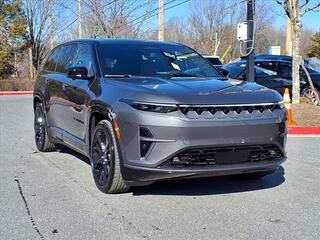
x: 76, y: 19
x: 142, y: 16
x: 154, y: 10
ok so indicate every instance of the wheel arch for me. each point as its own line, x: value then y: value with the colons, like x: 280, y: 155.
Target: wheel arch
x: 36, y: 99
x: 99, y: 112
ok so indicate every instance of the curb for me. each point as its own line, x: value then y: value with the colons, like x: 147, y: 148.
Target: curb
x: 304, y: 130
x: 15, y: 93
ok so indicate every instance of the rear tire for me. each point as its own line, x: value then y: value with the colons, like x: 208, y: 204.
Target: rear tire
x: 40, y: 130
x: 105, y: 160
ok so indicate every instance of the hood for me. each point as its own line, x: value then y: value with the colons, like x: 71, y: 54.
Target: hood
x: 193, y: 90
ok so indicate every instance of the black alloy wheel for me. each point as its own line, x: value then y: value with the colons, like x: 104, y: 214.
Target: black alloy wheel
x: 105, y: 159
x: 102, y: 153
x: 40, y: 130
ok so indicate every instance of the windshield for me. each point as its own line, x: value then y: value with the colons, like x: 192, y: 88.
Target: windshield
x: 235, y: 68
x: 166, y: 60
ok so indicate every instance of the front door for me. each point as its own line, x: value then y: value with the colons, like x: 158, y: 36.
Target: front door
x: 78, y: 95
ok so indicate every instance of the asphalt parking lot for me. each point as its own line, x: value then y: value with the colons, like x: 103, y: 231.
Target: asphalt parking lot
x: 53, y: 196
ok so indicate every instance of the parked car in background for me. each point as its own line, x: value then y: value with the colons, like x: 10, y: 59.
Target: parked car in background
x: 314, y: 63
x: 275, y: 74
x: 144, y: 111
x: 214, y: 60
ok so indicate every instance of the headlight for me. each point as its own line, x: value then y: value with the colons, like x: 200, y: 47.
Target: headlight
x: 151, y: 107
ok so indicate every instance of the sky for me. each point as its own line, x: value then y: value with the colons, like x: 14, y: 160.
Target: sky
x: 310, y: 20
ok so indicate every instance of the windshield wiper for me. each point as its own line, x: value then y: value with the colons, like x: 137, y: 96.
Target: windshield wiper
x: 117, y: 75
x: 178, y: 74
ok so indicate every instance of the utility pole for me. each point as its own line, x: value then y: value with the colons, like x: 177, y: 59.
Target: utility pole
x: 161, y: 21
x: 80, y: 19
x: 289, y: 38
x: 51, y: 25
x: 250, y: 73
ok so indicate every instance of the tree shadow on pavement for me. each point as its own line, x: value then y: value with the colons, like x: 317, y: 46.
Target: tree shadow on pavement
x: 212, y: 186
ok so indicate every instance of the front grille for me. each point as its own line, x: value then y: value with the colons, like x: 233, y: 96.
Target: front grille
x: 224, y: 156
x: 223, y: 111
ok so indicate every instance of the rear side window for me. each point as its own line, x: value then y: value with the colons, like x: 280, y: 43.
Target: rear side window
x: 66, y: 58
x: 52, y: 60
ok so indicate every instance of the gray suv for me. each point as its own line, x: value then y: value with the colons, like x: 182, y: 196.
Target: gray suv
x: 143, y: 111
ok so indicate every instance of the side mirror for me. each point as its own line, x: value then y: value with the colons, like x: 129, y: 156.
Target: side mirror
x: 78, y: 73
x: 224, y: 72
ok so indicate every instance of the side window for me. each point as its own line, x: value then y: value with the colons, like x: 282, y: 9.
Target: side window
x: 84, y: 58
x: 268, y: 65
x: 51, y: 62
x: 263, y: 72
x: 66, y: 58
x: 284, y: 70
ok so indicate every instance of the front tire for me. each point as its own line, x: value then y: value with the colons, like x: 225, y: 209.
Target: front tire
x: 40, y: 130
x: 105, y: 160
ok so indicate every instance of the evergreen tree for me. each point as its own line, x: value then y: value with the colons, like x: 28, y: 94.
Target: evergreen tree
x: 314, y: 50
x: 12, y: 33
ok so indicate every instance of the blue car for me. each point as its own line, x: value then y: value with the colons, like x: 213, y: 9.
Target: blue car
x: 275, y: 72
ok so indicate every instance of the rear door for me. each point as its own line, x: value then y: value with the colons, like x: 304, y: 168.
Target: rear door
x: 58, y: 114
x: 53, y: 88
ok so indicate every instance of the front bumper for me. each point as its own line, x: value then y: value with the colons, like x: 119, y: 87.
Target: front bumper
x: 144, y: 176
x: 173, y: 132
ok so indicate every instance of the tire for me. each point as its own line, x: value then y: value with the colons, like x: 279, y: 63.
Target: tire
x: 105, y: 160
x: 307, y: 92
x: 256, y: 175
x: 40, y: 130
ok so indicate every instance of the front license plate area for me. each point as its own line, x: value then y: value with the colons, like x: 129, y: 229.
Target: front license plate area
x: 231, y: 156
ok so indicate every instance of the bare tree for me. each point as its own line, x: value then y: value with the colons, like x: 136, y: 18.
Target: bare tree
x: 115, y: 19
x: 295, y: 10
x: 175, y: 30
x: 212, y: 26
x: 38, y: 29
x: 209, y: 23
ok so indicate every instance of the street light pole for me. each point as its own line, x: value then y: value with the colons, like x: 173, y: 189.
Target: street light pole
x: 250, y: 73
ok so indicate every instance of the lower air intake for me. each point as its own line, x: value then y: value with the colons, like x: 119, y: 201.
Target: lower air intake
x: 224, y: 156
